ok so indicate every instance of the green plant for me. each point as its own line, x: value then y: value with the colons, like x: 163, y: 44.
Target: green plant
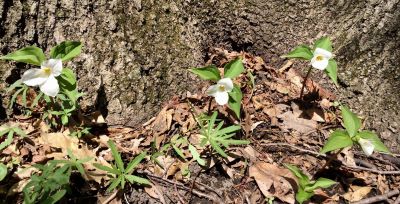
x: 339, y: 139
x: 320, y: 57
x: 58, y: 89
x: 49, y: 185
x: 306, y: 187
x: 74, y: 162
x: 217, y: 136
x: 10, y: 131
x: 225, y: 91
x: 80, y: 131
x: 118, y: 173
x: 3, y: 171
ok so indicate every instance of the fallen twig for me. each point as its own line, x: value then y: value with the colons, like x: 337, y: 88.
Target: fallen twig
x: 373, y: 170
x: 179, y: 195
x: 181, y: 186
x: 397, y: 201
x: 378, y: 197
x: 325, y: 156
x: 111, y: 197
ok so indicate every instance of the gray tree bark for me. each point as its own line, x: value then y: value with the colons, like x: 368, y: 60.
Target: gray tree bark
x: 136, y: 52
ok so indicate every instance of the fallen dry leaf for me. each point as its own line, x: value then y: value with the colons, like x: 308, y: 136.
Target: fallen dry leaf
x: 163, y: 121
x: 301, y: 125
x: 270, y: 180
x: 357, y: 193
x: 64, y: 142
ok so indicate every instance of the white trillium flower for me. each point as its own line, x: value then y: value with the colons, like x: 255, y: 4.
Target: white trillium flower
x: 45, y: 77
x: 321, y: 58
x: 366, y: 146
x: 220, y: 90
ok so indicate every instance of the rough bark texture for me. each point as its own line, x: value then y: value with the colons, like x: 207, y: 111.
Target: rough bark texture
x: 136, y: 52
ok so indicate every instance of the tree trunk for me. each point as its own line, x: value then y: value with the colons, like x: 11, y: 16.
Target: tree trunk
x: 136, y: 52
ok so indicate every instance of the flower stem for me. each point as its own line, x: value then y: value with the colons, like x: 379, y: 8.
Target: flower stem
x: 329, y: 161
x: 304, y: 82
x: 209, y: 107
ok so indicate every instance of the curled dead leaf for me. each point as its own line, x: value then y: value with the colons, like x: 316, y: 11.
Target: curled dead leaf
x: 272, y: 181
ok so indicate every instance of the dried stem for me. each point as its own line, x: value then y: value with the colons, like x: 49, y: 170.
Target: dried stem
x: 304, y: 82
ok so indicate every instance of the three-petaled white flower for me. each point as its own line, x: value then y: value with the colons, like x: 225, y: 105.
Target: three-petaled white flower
x: 367, y: 146
x: 220, y: 91
x: 45, y: 77
x: 321, y: 58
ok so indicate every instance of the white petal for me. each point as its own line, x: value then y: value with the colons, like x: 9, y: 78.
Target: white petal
x: 34, y: 77
x: 221, y: 98
x: 50, y: 87
x: 366, y: 146
x: 321, y: 65
x: 323, y: 52
x: 212, y: 90
x: 227, y: 83
x: 55, y: 65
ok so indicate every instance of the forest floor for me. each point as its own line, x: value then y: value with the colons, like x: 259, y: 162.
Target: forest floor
x: 281, y: 127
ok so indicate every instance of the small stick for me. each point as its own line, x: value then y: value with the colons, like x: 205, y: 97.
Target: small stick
x: 378, y: 198
x: 373, y: 170
x: 397, y: 201
x: 317, y: 154
x: 304, y: 82
x: 181, y: 186
x: 178, y: 194
x: 111, y: 197
x: 209, y: 107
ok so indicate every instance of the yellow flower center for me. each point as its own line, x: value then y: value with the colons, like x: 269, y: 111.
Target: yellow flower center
x: 47, y: 70
x: 221, y: 88
x: 319, y: 58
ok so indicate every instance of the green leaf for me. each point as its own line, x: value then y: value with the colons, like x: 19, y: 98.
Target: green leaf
x: 303, y: 179
x: 8, y: 140
x: 337, y: 140
x: 19, y: 132
x: 196, y: 155
x: 3, y: 171
x: 66, y: 50
x: 252, y: 80
x: 179, y: 152
x: 36, y: 100
x: 323, y: 43
x: 67, y: 80
x: 212, y: 122
x: 64, y: 119
x: 226, y: 143
x: 302, y: 195
x: 301, y: 52
x: 378, y: 144
x: 114, y: 183
x: 24, y: 97
x: 16, y: 84
x: 233, y: 68
x: 30, y: 55
x: 320, y: 183
x: 351, y: 122
x: 331, y: 71
x: 227, y: 130
x: 55, y: 197
x: 137, y: 179
x: 14, y: 97
x: 235, y: 106
x: 116, y: 155
x: 207, y: 73
x: 236, y: 93
x: 217, y: 148
x: 106, y: 168
x: 132, y: 164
